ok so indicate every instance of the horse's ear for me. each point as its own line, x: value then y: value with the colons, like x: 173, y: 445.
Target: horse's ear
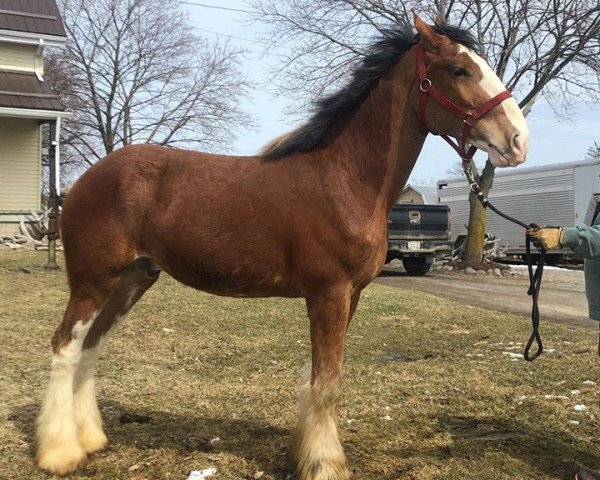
x: 432, y: 41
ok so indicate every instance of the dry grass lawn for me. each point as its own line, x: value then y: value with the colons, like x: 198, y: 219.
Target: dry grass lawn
x: 429, y: 390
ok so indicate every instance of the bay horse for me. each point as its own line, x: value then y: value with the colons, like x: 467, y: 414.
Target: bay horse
x: 315, y: 205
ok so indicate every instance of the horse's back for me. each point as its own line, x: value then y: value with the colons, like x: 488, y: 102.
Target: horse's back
x: 132, y: 180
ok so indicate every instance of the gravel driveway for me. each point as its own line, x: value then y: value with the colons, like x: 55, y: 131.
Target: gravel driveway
x: 562, y: 296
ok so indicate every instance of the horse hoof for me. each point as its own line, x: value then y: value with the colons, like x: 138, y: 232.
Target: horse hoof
x: 92, y: 440
x: 61, y: 460
x: 324, y: 471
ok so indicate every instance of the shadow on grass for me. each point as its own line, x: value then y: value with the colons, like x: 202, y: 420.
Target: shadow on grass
x: 546, y: 451
x: 390, y: 272
x: 255, y: 442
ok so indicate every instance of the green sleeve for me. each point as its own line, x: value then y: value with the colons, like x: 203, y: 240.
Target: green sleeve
x: 583, y: 240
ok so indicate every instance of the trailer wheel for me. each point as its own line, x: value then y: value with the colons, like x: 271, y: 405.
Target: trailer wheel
x: 416, y: 266
x: 552, y: 259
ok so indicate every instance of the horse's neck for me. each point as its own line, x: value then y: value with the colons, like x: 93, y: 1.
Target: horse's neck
x: 380, y: 144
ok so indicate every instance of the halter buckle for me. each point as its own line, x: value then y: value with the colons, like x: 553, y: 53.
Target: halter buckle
x: 470, y: 119
x: 425, y: 85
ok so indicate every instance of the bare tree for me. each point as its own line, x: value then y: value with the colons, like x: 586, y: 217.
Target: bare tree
x: 593, y: 153
x: 457, y: 170
x: 539, y: 48
x: 134, y: 72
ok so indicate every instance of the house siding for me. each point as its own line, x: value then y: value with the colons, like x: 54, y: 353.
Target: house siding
x: 20, y: 164
x: 14, y: 56
x: 410, y: 196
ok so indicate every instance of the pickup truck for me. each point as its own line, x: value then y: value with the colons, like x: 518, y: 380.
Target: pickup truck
x: 416, y: 233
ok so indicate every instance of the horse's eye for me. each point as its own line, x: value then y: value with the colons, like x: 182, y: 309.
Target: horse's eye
x: 459, y: 72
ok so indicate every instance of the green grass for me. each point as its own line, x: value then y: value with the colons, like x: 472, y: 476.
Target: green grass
x: 229, y: 370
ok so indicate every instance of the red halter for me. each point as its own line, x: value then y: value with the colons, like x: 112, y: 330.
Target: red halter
x: 469, y: 118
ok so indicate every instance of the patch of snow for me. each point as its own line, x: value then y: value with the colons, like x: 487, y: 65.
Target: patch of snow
x: 575, y: 392
x: 573, y: 422
x: 580, y: 407
x: 556, y: 397
x: 546, y: 267
x: 512, y: 355
x: 168, y: 330
x: 387, y: 418
x: 202, y: 474
x: 589, y: 382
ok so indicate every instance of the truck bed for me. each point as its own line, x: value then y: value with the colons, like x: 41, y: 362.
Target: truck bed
x: 419, y: 222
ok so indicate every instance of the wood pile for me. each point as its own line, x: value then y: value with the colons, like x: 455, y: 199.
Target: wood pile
x: 31, y: 234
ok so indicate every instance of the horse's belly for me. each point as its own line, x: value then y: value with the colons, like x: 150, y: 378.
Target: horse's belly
x: 234, y: 281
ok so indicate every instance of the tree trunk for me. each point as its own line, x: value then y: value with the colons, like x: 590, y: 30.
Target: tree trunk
x: 473, y: 254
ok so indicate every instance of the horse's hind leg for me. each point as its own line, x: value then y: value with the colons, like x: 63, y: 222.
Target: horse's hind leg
x: 135, y: 280
x: 69, y: 424
x: 317, y: 448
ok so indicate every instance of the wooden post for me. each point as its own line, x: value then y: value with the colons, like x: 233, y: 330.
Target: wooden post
x: 54, y: 193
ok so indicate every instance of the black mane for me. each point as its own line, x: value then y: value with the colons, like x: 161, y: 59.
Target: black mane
x: 379, y: 57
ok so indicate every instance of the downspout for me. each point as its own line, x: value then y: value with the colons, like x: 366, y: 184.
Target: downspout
x: 54, y: 200
x: 38, y: 62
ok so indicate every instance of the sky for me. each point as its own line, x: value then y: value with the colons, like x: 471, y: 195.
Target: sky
x: 551, y: 140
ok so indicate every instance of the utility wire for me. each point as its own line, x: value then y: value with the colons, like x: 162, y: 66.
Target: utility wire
x: 226, y: 35
x: 216, y: 7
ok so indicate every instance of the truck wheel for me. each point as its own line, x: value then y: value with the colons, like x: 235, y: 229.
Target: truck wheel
x: 415, y: 266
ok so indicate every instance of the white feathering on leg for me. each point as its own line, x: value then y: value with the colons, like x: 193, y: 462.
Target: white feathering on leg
x: 317, y: 449
x: 59, y: 450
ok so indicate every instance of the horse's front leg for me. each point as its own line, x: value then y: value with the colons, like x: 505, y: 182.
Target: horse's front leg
x: 317, y: 448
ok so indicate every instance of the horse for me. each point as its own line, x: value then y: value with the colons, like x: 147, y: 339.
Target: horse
x: 315, y: 203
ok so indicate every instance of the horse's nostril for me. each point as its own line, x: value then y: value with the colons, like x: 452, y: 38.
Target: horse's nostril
x: 515, y: 142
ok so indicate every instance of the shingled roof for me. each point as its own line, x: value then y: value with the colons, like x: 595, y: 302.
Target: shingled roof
x: 31, y: 16
x: 24, y: 90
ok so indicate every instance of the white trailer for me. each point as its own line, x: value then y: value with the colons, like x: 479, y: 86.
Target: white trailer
x: 559, y: 194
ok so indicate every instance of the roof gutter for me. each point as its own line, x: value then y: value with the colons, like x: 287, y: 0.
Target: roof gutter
x: 31, y: 113
x: 32, y: 38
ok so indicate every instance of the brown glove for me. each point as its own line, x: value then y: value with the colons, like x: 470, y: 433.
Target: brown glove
x: 549, y: 238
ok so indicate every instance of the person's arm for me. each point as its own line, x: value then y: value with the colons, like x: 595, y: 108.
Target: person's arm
x: 584, y: 241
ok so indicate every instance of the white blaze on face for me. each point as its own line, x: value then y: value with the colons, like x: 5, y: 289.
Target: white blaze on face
x: 504, y: 142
